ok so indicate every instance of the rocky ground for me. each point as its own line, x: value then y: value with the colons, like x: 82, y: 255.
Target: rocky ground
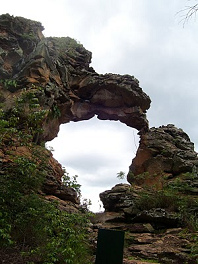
x: 151, y: 236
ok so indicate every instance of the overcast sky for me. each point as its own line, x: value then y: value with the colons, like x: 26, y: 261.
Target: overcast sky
x: 144, y: 38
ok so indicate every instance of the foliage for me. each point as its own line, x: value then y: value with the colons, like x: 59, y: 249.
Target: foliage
x: 143, y: 178
x: 8, y: 83
x: 121, y: 175
x: 85, y: 204
x: 52, y: 236
x: 194, y: 246
x: 23, y: 121
x: 5, y: 229
x: 157, y: 199
x: 140, y: 177
x: 192, y: 237
x: 175, y: 197
x: 58, y: 237
x: 56, y: 113
x: 67, y: 45
x: 184, y: 183
x: 30, y: 36
x: 43, y: 232
x: 71, y: 181
x: 185, y: 206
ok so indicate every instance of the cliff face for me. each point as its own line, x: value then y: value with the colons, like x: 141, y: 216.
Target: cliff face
x: 45, y: 82
x: 61, y: 67
x: 165, y: 152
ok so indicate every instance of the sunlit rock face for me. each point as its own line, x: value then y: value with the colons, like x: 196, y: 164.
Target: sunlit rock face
x: 71, y: 89
x: 164, y: 153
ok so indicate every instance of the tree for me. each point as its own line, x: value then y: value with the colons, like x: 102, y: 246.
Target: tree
x: 121, y: 175
x: 190, y: 11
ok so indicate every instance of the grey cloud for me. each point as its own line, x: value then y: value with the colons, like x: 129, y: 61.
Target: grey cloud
x: 90, y: 162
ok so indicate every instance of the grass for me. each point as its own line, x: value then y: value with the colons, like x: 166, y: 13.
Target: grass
x: 144, y: 260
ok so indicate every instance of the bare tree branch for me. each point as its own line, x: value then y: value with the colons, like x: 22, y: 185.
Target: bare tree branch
x: 190, y: 11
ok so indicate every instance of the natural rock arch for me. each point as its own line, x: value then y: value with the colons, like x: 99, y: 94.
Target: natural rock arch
x: 71, y: 89
x: 57, y: 71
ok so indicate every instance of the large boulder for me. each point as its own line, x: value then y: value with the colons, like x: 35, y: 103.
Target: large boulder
x: 131, y: 203
x: 164, y: 153
x: 118, y: 198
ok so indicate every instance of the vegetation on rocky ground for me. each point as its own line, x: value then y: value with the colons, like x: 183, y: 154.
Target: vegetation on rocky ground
x: 42, y: 232
x: 175, y: 197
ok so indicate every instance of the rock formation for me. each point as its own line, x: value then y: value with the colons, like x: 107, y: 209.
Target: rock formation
x: 57, y: 70
x: 164, y: 153
x: 61, y: 67
x: 163, y: 177
x: 151, y: 220
x: 56, y: 75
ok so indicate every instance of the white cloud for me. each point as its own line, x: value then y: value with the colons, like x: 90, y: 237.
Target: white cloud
x: 96, y: 151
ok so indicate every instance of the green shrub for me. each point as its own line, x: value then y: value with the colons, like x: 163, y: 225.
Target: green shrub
x: 121, y: 175
x: 52, y: 235
x: 23, y: 122
x: 43, y: 233
x: 8, y: 83
x: 71, y: 181
x: 157, y: 199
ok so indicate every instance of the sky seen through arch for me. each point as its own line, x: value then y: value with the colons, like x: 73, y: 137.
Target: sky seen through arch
x: 95, y: 150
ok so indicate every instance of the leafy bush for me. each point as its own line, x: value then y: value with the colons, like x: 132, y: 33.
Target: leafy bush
x: 71, y: 181
x: 44, y: 233
x: 8, y: 83
x: 186, y: 207
x: 54, y: 236
x: 27, y: 219
x: 121, y: 175
x: 158, y: 199
x: 23, y: 122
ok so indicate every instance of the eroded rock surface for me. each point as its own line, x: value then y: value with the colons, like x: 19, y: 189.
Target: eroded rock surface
x: 168, y: 247
x: 126, y: 200
x: 164, y: 153
x: 57, y: 71
x: 154, y: 230
x: 70, y: 87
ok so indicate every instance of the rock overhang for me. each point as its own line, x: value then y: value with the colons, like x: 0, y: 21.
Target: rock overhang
x: 58, y: 71
x: 61, y: 67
